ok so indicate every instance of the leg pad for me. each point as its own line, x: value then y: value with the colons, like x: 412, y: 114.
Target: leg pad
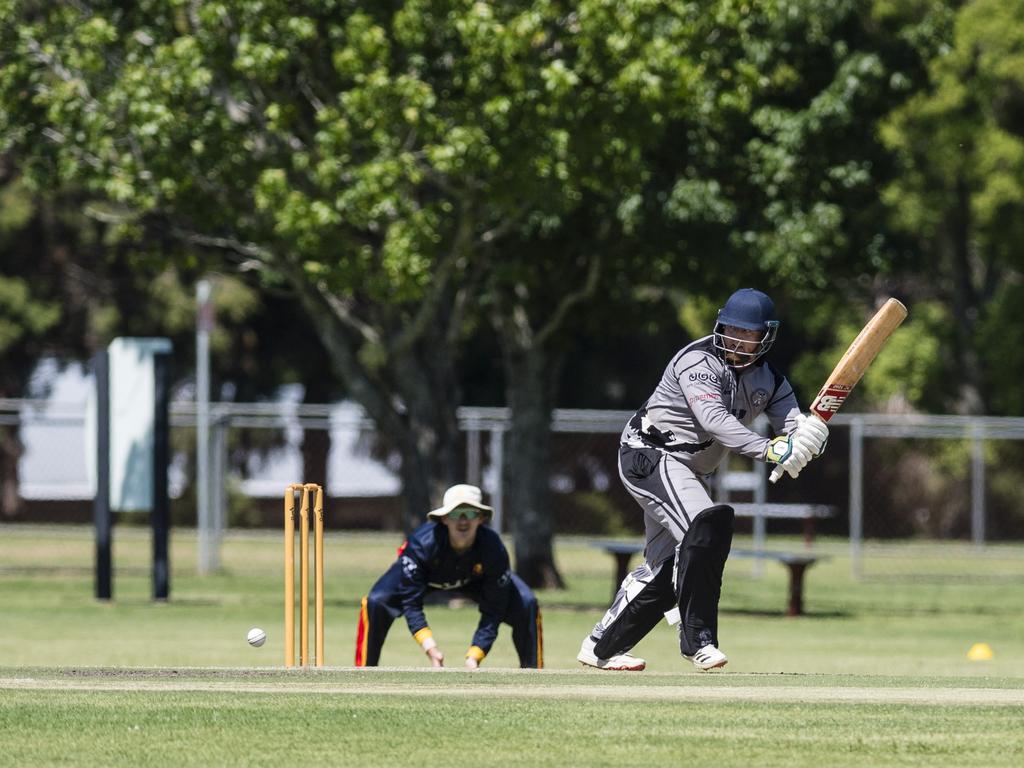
x: 700, y: 562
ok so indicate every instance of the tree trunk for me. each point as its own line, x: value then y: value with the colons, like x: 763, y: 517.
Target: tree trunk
x: 316, y: 448
x: 531, y: 353
x: 432, y: 454
x: 422, y: 427
x: 529, y: 385
x: 316, y: 443
x: 966, y: 309
x: 410, y: 393
x: 10, y: 453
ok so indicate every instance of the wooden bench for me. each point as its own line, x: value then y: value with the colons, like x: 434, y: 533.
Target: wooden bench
x: 797, y: 563
x: 809, y: 513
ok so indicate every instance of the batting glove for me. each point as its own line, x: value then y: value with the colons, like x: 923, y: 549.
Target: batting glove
x: 811, y: 433
x: 789, y: 455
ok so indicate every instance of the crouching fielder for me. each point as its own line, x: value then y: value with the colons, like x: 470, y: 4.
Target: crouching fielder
x: 454, y: 551
x: 709, y: 395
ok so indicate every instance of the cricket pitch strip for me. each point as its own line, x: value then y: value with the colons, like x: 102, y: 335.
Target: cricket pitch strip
x: 524, y: 684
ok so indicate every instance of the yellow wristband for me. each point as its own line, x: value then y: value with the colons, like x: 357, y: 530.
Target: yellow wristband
x: 425, y: 638
x: 475, y: 652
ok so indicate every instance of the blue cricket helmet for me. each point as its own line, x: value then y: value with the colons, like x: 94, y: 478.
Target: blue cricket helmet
x: 749, y: 310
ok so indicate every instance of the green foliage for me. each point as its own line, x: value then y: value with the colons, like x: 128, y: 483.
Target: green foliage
x: 16, y: 209
x: 353, y: 139
x: 21, y: 315
x: 908, y: 369
x: 959, y: 145
x: 1000, y: 343
x: 697, y: 316
x: 592, y: 513
x: 25, y: 316
x: 318, y: 132
x: 397, y: 158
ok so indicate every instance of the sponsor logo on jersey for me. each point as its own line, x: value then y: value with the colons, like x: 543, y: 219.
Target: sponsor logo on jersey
x: 478, y: 568
x: 759, y: 398
x: 704, y: 376
x: 705, y: 396
x: 505, y: 578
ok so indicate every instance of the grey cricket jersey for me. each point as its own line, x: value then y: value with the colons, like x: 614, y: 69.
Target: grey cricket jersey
x: 702, y: 409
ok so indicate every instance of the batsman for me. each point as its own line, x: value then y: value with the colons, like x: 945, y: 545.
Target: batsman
x: 703, y: 408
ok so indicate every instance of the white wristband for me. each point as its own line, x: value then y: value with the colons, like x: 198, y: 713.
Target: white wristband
x: 428, y: 643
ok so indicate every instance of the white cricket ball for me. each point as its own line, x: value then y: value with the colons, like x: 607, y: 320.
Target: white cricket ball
x: 256, y: 637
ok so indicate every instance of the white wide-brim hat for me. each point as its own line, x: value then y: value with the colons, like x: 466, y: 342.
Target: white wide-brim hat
x: 461, y: 496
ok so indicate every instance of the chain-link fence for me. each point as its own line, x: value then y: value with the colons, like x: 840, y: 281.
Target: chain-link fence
x: 935, y: 496
x: 916, y: 496
x: 917, y: 480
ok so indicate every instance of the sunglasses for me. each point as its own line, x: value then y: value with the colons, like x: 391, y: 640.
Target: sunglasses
x: 464, y: 512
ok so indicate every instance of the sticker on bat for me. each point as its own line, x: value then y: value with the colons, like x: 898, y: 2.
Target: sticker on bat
x: 830, y: 400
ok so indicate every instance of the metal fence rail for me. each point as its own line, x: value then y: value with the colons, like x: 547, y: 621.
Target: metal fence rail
x: 953, y: 479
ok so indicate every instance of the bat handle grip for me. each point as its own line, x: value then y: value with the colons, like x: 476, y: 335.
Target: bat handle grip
x: 776, y: 474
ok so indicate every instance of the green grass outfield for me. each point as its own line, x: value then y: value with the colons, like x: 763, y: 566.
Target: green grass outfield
x: 501, y: 718
x: 875, y: 674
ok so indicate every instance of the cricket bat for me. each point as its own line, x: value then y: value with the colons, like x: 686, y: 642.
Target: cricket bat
x: 851, y: 367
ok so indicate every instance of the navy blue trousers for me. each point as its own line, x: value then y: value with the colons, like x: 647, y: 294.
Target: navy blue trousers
x: 381, y: 607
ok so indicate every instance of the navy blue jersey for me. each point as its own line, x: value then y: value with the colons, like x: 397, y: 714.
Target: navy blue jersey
x: 429, y: 562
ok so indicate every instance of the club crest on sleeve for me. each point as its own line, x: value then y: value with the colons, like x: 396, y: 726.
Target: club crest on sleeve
x: 759, y: 398
x: 408, y: 565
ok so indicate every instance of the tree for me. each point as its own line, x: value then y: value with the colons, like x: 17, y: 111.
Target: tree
x: 406, y: 171
x: 29, y: 309
x: 960, y: 146
x: 64, y: 288
x: 361, y: 158
x: 284, y: 141
x: 70, y: 282
x: 677, y: 162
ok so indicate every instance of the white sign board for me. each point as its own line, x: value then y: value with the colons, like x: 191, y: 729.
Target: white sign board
x: 132, y: 408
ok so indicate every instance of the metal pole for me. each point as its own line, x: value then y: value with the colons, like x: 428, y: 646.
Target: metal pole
x: 978, y: 485
x: 102, y: 517
x: 204, y: 324
x: 473, y: 455
x: 856, y: 496
x: 161, y: 513
x: 218, y: 484
x: 498, y: 468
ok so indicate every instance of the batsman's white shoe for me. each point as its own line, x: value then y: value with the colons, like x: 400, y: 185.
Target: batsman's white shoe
x: 621, y: 662
x: 708, y: 657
